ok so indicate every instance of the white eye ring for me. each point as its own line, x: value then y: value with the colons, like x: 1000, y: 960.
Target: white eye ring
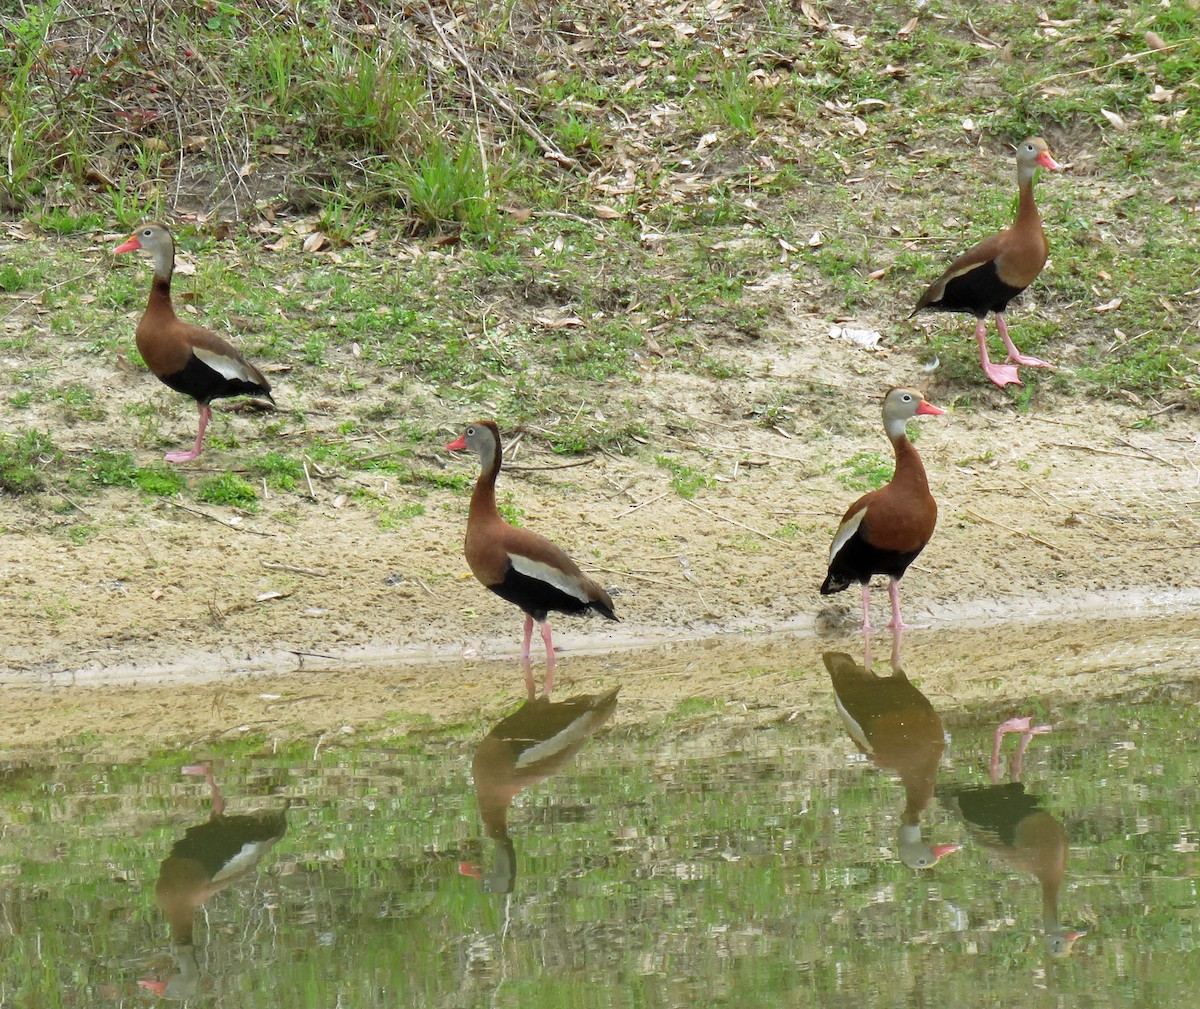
x: 470, y: 432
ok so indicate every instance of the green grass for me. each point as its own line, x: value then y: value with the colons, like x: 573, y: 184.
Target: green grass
x: 865, y: 471
x: 537, y: 240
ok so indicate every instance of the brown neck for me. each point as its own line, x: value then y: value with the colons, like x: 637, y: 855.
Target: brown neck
x: 483, y: 498
x: 1027, y: 211
x: 160, y: 295
x: 909, y: 471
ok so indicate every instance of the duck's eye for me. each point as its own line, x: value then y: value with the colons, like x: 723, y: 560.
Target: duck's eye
x: 907, y: 398
x: 148, y: 232
x: 470, y: 432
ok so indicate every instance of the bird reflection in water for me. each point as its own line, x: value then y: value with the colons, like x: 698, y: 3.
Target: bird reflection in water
x: 1016, y: 826
x: 894, y: 724
x: 208, y: 858
x: 533, y: 743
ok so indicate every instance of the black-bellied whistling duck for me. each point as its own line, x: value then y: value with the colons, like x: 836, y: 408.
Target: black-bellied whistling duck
x: 894, y: 724
x: 884, y: 530
x: 207, y: 859
x: 987, y: 277
x: 534, y: 742
x: 190, y: 359
x: 1016, y: 826
x: 516, y: 564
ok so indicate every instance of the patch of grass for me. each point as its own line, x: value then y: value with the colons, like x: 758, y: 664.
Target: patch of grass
x: 865, y: 471
x: 24, y: 459
x: 231, y: 490
x: 684, y: 478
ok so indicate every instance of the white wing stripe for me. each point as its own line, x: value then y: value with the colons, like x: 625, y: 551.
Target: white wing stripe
x: 549, y: 574
x: 845, y: 531
x: 227, y: 367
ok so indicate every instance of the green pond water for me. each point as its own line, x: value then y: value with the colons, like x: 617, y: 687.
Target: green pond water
x: 718, y: 855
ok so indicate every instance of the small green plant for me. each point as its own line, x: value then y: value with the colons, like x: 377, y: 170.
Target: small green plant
x: 24, y: 459
x: 684, y: 478
x: 229, y: 489
x: 865, y: 471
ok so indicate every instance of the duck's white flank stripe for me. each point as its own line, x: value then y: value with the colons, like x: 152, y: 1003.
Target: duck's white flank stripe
x: 549, y: 574
x: 845, y: 531
x: 577, y: 731
x: 251, y: 853
x: 222, y: 365
x: 852, y: 727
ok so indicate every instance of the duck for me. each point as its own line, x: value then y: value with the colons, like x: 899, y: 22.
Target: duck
x: 516, y: 563
x: 893, y: 723
x: 886, y: 529
x: 207, y: 859
x: 188, y: 358
x: 1016, y: 826
x: 535, y: 742
x: 988, y: 276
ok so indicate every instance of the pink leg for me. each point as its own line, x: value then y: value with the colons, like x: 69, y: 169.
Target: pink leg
x: 1014, y: 355
x: 1001, y: 374
x: 897, y: 623
x: 194, y: 451
x: 548, y: 683
x: 866, y: 626
x: 528, y: 639
x: 202, y: 770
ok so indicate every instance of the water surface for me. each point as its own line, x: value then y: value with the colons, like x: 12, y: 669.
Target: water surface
x: 720, y: 852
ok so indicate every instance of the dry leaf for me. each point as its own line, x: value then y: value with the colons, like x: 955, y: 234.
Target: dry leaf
x: 909, y: 28
x: 682, y: 30
x: 1115, y: 120
x: 542, y: 320
x: 876, y: 274
x: 315, y: 242
x: 816, y: 239
x: 968, y: 125
x: 262, y: 597
x: 1109, y: 306
x: 1161, y: 94
x: 1154, y: 40
x: 279, y: 152
x: 584, y: 46
x: 606, y: 213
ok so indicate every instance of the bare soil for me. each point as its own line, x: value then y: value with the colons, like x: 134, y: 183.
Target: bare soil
x: 143, y: 630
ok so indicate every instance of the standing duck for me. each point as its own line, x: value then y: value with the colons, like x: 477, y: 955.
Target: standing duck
x: 893, y: 723
x: 884, y: 530
x: 1016, y: 826
x: 536, y: 741
x: 190, y: 359
x: 987, y: 277
x: 516, y: 564
x: 207, y: 859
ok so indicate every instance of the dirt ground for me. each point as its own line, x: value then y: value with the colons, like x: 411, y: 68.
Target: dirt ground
x: 1066, y: 509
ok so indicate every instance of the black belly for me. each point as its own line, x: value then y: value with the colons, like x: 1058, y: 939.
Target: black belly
x: 995, y: 810
x: 858, y: 560
x: 978, y: 292
x: 535, y: 596
x: 205, y: 384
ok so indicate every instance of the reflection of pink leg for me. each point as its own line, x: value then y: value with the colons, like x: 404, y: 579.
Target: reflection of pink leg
x: 530, y: 686
x: 897, y: 637
x: 1001, y: 374
x: 192, y: 453
x: 205, y: 772
x: 897, y: 623
x: 866, y: 608
x: 867, y: 653
x: 548, y: 682
x: 1014, y: 355
x: 1021, y: 725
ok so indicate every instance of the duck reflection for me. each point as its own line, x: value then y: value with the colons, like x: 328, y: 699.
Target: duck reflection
x: 893, y: 723
x: 1016, y: 826
x: 208, y: 858
x: 534, y: 742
